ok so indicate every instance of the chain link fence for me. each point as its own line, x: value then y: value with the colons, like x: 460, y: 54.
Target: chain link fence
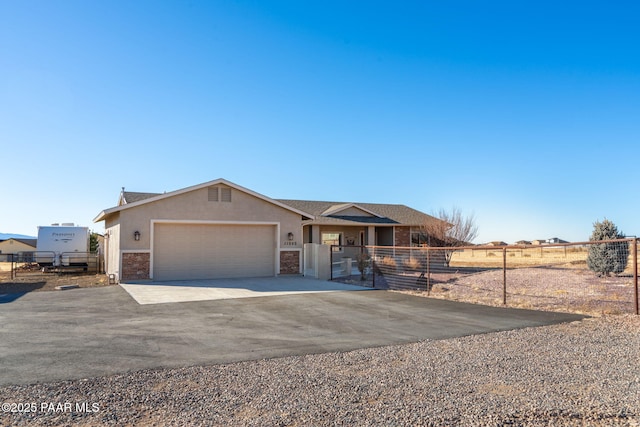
x: 588, y: 277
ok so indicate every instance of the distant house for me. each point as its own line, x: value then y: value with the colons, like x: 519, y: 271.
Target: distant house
x: 548, y: 241
x: 496, y: 243
x: 15, y: 245
x: 556, y: 240
x: 523, y: 242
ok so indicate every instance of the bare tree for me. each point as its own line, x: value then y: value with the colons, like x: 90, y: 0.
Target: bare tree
x: 452, y: 230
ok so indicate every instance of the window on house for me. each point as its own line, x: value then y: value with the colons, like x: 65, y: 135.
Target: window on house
x: 419, y: 239
x: 332, y: 239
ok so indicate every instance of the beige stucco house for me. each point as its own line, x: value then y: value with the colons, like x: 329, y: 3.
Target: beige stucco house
x: 15, y: 245
x: 219, y: 229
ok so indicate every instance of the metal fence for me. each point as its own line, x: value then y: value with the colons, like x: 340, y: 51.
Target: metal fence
x: 26, y: 263
x: 587, y: 277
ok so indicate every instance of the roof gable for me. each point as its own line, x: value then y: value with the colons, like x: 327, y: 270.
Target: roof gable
x: 144, y: 198
x: 348, y: 209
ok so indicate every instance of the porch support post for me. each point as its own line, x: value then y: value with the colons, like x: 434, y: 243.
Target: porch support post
x: 371, y: 235
x: 315, y: 234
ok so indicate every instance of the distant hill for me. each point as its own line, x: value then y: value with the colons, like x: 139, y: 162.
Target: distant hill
x: 6, y: 236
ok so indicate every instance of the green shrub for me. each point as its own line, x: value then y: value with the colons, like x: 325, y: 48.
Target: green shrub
x: 608, y: 257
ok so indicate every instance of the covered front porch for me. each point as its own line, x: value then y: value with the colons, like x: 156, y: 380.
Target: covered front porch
x: 348, y: 235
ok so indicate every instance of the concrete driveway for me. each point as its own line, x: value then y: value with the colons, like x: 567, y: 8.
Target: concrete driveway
x: 49, y: 336
x: 207, y: 290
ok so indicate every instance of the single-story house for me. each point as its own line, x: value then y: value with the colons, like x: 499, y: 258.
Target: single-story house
x: 219, y: 229
x: 15, y: 245
x: 523, y: 242
x: 548, y: 241
x: 556, y: 240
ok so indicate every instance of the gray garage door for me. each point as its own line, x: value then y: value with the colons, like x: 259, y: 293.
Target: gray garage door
x: 201, y: 251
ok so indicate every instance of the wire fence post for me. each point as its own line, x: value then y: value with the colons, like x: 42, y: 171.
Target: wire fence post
x: 504, y: 276
x: 635, y: 274
x: 428, y: 271
x: 331, y: 263
x: 373, y: 267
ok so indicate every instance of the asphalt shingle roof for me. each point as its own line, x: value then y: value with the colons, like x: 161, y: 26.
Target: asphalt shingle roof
x: 132, y: 196
x: 30, y: 242
x: 387, y: 213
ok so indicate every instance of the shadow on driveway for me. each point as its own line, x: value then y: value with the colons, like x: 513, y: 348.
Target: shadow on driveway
x: 11, y: 291
x: 7, y: 298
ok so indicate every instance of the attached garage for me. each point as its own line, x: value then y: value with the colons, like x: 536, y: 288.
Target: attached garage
x: 189, y: 251
x: 213, y: 230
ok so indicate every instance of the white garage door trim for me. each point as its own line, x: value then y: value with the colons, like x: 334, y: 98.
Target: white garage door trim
x: 276, y: 260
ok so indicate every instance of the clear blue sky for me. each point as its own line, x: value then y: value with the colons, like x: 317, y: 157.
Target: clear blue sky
x: 525, y: 114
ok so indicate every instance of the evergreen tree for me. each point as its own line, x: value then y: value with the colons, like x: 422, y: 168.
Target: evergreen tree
x: 93, y: 242
x: 609, y: 257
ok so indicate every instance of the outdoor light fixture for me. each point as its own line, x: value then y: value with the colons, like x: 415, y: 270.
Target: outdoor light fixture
x: 290, y: 236
x: 136, y: 235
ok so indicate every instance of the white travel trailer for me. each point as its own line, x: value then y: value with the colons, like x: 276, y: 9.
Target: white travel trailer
x: 62, y: 246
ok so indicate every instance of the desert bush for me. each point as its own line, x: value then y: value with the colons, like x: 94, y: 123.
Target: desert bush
x: 576, y: 250
x: 388, y: 262
x: 364, y: 260
x: 412, y: 263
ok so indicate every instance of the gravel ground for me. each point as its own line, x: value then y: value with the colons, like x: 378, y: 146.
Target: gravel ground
x: 576, y: 374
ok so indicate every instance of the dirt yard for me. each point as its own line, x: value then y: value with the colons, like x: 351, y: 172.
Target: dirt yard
x: 552, y: 289
x: 34, y: 280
